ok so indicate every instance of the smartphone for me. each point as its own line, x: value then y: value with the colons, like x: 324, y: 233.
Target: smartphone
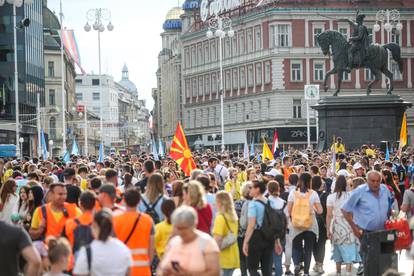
x: 175, y: 265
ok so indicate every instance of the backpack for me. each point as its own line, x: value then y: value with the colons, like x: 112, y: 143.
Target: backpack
x: 302, y: 211
x: 274, y: 222
x: 82, y: 235
x: 150, y: 210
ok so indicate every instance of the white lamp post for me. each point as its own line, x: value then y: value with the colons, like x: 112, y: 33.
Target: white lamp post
x: 51, y: 148
x: 214, y: 141
x: 220, y: 27
x: 389, y: 19
x: 21, y: 140
x: 24, y: 23
x: 97, y: 17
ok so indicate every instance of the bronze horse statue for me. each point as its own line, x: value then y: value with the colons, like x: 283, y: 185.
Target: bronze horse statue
x: 376, y: 59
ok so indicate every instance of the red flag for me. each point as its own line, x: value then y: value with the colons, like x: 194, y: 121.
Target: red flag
x: 180, y: 151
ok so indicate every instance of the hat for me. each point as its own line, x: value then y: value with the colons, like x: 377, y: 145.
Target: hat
x: 108, y: 189
x: 357, y: 166
x: 272, y: 173
x: 205, y: 164
x: 15, y: 162
x: 91, y: 164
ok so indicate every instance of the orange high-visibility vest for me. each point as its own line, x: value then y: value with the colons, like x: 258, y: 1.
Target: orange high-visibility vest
x: 53, y: 227
x: 139, y: 242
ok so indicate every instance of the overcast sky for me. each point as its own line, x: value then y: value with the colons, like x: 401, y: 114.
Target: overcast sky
x: 135, y: 40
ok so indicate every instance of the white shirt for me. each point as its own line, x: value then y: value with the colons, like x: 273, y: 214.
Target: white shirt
x: 110, y: 258
x: 314, y: 197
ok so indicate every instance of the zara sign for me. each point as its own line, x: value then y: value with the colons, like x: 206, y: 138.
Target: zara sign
x: 215, y: 7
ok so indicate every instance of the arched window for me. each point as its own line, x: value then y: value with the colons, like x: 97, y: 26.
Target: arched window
x: 52, y: 128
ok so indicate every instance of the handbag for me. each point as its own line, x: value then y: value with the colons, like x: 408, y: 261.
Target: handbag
x: 402, y: 229
x: 229, y: 239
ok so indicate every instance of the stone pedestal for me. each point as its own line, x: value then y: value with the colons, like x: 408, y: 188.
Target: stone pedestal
x: 360, y: 119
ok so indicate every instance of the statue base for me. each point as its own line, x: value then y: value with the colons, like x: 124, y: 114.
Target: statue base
x: 360, y: 119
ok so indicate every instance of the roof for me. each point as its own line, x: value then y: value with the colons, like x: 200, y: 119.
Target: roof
x: 126, y: 83
x: 50, y: 20
x: 174, y: 13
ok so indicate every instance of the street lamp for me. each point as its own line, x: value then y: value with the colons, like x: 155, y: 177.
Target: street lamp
x: 389, y: 19
x: 21, y: 140
x: 51, y: 148
x: 214, y: 141
x: 219, y: 27
x: 22, y: 24
x: 97, y: 17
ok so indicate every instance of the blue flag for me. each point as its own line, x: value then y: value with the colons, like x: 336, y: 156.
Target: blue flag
x: 154, y: 150
x: 66, y: 157
x: 160, y: 148
x: 101, y: 153
x: 44, y: 147
x: 75, y: 149
x: 252, y: 149
x: 387, y: 154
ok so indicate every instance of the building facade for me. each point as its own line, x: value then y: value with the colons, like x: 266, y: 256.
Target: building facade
x: 168, y: 95
x: 31, y: 73
x: 272, y: 55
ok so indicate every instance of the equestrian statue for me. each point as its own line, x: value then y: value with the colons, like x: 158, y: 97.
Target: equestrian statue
x: 358, y: 53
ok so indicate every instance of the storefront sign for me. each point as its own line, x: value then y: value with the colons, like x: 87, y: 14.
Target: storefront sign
x: 215, y: 7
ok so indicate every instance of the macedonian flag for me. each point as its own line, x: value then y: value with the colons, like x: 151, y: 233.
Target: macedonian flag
x: 180, y: 151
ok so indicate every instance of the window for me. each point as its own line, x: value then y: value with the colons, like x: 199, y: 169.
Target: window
x: 200, y: 58
x: 318, y: 71
x: 242, y: 77
x: 235, y: 79
x: 189, y: 118
x: 249, y: 40
x: 95, y: 96
x: 213, y: 51
x: 297, y: 109
x: 200, y: 86
x: 193, y: 56
x: 396, y: 36
x: 395, y: 71
x: 346, y: 76
x: 258, y: 37
x: 208, y: 116
x: 78, y: 81
x: 214, y: 83
x: 242, y: 45
x: 228, y: 80
x: 51, y: 69
x: 344, y: 32
x: 250, y: 82
x: 52, y: 97
x: 187, y: 89
x: 259, y: 74
x: 316, y: 32
x: 52, y: 127
x: 368, y: 75
x: 195, y: 87
x: 280, y: 35
x: 207, y: 85
x: 234, y: 46
x: 79, y: 96
x: 227, y: 47
x: 187, y: 58
x: 296, y: 71
x: 95, y: 82
x: 206, y: 52
x: 267, y: 72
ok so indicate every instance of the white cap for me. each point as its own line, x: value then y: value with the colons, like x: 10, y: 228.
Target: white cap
x: 205, y: 164
x: 357, y: 166
x: 272, y: 172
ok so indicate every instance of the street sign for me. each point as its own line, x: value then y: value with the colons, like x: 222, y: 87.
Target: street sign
x: 312, y: 92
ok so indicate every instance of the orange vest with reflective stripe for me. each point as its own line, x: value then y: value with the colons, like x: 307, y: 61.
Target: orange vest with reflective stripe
x: 53, y: 227
x: 139, y: 242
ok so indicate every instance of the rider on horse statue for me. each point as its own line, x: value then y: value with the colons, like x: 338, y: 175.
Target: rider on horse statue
x: 359, y: 43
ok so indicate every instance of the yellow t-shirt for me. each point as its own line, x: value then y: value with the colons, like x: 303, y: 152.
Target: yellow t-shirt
x: 229, y: 257
x: 370, y: 152
x: 242, y: 177
x: 7, y: 174
x: 233, y: 189
x: 57, y: 215
x: 338, y: 148
x: 84, y: 185
x: 162, y: 235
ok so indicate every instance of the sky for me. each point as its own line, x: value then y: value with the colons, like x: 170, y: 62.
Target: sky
x: 135, y: 39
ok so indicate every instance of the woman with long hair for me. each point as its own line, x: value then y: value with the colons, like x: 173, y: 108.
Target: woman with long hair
x: 178, y: 192
x: 226, y: 223
x: 8, y: 200
x: 106, y: 255
x: 303, y: 238
x: 153, y: 197
x: 164, y: 229
x: 388, y: 180
x: 22, y: 208
x: 127, y: 181
x: 194, y: 197
x: 345, y: 244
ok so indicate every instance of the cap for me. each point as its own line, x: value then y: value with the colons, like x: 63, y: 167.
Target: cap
x: 357, y: 166
x: 108, y: 189
x: 272, y: 173
x: 205, y: 164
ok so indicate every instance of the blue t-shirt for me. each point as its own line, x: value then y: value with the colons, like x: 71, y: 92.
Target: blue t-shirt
x: 256, y: 210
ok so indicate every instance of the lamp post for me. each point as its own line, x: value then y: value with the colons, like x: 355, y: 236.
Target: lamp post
x: 21, y: 140
x: 214, y: 141
x: 51, y: 148
x: 389, y: 19
x: 98, y: 17
x: 220, y: 27
x: 62, y: 83
x: 24, y: 23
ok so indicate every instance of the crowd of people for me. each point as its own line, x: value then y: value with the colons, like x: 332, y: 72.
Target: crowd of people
x: 134, y: 215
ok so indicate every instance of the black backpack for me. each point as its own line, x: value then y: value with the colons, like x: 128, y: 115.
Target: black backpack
x: 274, y: 222
x: 150, y: 210
x: 82, y: 235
